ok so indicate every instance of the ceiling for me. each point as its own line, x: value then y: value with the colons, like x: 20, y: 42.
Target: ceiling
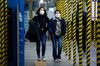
x: 47, y: 4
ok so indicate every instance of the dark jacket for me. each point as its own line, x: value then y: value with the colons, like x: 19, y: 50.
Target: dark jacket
x: 43, y: 21
x: 52, y: 26
x: 33, y: 31
x: 36, y: 26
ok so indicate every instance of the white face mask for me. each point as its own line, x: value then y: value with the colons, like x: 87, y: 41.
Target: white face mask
x: 41, y: 12
x: 57, y: 15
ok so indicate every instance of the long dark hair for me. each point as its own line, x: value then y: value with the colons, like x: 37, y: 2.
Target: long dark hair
x: 39, y: 11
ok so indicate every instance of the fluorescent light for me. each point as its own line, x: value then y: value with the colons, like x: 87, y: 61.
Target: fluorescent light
x: 41, y: 1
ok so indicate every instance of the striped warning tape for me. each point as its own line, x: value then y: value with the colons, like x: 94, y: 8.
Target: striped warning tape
x: 3, y: 33
x: 62, y: 6
x: 69, y: 29
x: 64, y: 15
x: 95, y: 23
x: 98, y: 35
x: 1, y: 36
x: 74, y: 32
x: 6, y: 33
x: 80, y: 31
x: 88, y: 32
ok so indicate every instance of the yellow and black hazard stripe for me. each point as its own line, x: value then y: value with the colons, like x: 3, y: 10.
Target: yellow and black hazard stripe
x: 69, y: 29
x: 88, y: 32
x: 80, y: 31
x: 95, y: 23
x: 74, y: 32
x: 98, y: 35
x: 3, y: 33
x: 64, y: 15
x: 64, y: 46
x: 66, y: 35
x: 2, y: 30
x: 0, y: 37
x: 60, y: 5
x: 6, y: 32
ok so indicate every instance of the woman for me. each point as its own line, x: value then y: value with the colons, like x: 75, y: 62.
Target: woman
x: 57, y: 29
x: 42, y: 21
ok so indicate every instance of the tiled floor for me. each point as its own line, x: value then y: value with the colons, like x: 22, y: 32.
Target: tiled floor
x: 30, y: 56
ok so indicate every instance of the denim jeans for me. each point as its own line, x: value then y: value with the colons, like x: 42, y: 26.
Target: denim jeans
x: 42, y: 38
x: 57, y: 44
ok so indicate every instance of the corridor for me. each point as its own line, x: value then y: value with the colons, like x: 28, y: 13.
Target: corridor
x: 75, y: 23
x: 31, y: 56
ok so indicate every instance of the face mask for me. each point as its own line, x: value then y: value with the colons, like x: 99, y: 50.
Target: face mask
x: 57, y: 15
x: 41, y: 12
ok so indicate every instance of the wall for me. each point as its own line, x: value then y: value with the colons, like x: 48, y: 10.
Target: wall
x: 12, y: 4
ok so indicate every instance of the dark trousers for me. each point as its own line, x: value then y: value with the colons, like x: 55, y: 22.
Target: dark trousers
x: 57, y: 41
x: 42, y: 38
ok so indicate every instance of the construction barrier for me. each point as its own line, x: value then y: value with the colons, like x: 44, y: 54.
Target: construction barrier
x: 88, y: 32
x: 95, y: 21
x: 3, y: 33
x: 98, y: 35
x: 74, y: 32
x: 80, y: 31
x: 68, y: 12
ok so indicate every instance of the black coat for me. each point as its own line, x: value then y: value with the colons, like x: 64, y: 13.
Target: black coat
x: 43, y: 21
x: 33, y: 31
x: 36, y: 26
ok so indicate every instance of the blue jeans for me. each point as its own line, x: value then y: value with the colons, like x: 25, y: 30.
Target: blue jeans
x: 57, y: 40
x: 42, y: 38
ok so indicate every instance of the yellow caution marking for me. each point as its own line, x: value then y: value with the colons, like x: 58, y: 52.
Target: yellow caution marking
x: 40, y: 63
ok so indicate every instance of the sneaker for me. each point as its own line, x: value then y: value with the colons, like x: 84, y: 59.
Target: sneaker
x: 43, y: 58
x: 59, y: 60
x: 55, y: 60
x: 39, y: 59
